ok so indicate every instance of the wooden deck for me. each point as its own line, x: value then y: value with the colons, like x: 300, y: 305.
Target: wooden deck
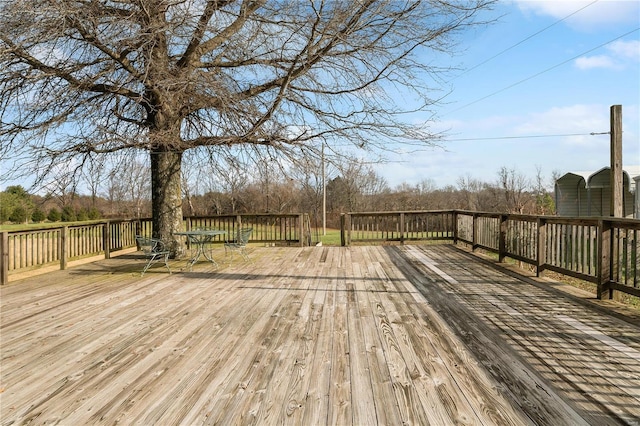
x: 313, y: 336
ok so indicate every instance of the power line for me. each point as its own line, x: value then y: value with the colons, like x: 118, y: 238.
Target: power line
x: 543, y: 71
x: 523, y: 40
x: 526, y: 137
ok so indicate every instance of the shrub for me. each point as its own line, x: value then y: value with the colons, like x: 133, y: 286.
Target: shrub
x: 82, y: 215
x: 38, y: 215
x: 68, y: 214
x: 94, y: 213
x: 54, y: 215
x: 18, y: 215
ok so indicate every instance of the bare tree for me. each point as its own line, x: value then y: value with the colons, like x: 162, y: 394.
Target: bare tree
x: 514, y: 187
x: 266, y: 176
x: 79, y: 77
x: 470, y: 189
x: 189, y: 184
x: 308, y: 174
x: 355, y: 188
x: 93, y: 177
x: 62, y: 186
x: 127, y: 189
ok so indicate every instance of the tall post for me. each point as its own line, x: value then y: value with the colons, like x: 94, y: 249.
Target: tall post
x: 301, y: 229
x: 324, y: 194
x: 4, y: 257
x: 474, y: 231
x: 604, y: 256
x: 62, y: 249
x: 616, y: 162
x: 542, y: 246
x: 106, y: 239
x: 502, y: 243
x: 455, y: 226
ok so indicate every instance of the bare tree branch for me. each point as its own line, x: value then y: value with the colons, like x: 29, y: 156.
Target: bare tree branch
x: 227, y: 77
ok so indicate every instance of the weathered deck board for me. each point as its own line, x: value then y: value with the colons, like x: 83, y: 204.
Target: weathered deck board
x: 320, y: 335
x: 533, y: 322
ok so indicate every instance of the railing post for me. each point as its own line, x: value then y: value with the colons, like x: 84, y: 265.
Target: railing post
x: 4, y: 257
x: 64, y: 232
x: 401, y: 227
x: 454, y: 216
x: 502, y: 241
x: 106, y: 240
x: 604, y: 258
x: 345, y: 229
x: 542, y: 246
x: 301, y: 229
x: 474, y: 231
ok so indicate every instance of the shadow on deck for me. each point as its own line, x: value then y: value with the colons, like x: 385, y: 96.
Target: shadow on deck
x: 317, y: 335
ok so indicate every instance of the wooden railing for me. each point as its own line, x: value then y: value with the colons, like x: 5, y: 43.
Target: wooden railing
x: 605, y: 251
x: 397, y: 226
x: 267, y: 228
x: 33, y: 249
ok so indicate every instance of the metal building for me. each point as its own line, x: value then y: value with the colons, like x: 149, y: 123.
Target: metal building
x: 582, y: 194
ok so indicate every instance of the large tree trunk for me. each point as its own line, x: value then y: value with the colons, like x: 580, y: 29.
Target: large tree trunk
x: 167, y: 197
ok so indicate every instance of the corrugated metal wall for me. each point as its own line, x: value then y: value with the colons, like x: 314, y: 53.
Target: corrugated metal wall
x: 578, y: 197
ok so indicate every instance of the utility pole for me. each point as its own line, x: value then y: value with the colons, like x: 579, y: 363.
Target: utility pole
x: 616, y: 162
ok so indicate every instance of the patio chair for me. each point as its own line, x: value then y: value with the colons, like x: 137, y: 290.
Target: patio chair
x: 154, y: 250
x: 239, y: 244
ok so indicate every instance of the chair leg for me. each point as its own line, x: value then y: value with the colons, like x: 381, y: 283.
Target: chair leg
x: 245, y: 255
x: 154, y: 259
x: 228, y: 253
x: 149, y: 262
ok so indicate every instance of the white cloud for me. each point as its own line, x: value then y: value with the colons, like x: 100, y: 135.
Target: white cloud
x: 626, y: 49
x: 596, y: 15
x: 601, y: 61
x: 566, y: 120
x: 479, y: 146
x: 622, y: 53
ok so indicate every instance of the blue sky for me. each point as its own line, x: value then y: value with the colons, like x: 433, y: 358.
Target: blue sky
x: 534, y: 73
x: 560, y: 81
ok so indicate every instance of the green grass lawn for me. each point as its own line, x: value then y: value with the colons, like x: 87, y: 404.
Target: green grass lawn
x: 42, y: 225
x: 332, y: 238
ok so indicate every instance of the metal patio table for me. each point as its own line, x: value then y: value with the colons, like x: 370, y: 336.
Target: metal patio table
x: 200, y: 238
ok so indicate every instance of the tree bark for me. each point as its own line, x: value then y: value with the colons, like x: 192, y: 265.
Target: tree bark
x: 167, y: 197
